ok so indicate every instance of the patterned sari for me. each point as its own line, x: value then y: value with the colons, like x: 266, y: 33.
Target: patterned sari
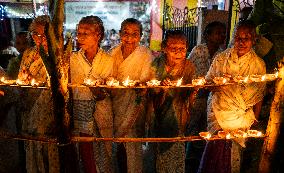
x: 171, y: 107
x: 38, y: 117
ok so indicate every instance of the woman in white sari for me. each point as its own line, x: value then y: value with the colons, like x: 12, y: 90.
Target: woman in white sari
x: 237, y: 106
x: 92, y: 111
x: 134, y: 61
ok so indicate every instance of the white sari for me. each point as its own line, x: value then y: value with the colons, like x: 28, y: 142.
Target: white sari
x: 129, y: 113
x: 231, y: 108
x: 87, y: 110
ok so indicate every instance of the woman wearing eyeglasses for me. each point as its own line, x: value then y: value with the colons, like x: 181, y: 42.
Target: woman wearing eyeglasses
x: 171, y: 106
x: 37, y: 115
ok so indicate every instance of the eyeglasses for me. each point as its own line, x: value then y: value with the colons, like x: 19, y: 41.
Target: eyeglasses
x: 35, y: 34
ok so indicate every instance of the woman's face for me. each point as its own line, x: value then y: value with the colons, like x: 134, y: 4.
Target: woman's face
x: 88, y: 36
x: 243, y: 41
x: 176, y: 50
x: 217, y: 36
x: 39, y: 37
x: 130, y: 36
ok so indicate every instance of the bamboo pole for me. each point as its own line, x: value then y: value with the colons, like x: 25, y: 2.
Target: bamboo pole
x: 273, y: 127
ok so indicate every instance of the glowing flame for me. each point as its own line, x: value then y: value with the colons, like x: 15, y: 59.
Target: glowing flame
x: 3, y: 79
x: 228, y: 136
x: 153, y: 82
x: 205, y: 135
x: 263, y: 78
x: 276, y: 74
x: 254, y: 133
x: 34, y: 83
x: 246, y: 79
x: 240, y: 134
x: 179, y: 82
x: 19, y: 82
x: 112, y: 82
x: 199, y: 81
x: 126, y: 82
x: 88, y: 81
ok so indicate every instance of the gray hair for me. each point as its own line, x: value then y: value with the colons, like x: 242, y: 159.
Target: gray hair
x: 96, y: 21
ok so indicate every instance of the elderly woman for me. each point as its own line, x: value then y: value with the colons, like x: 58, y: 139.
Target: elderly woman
x: 134, y: 61
x: 235, y: 106
x: 37, y: 117
x: 92, y: 112
x: 172, y: 106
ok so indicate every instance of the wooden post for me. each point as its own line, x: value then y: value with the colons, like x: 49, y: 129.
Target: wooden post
x: 57, y: 63
x: 273, y: 127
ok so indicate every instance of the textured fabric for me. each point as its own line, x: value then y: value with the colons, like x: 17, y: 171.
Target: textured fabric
x: 128, y: 105
x: 83, y: 116
x: 171, y: 108
x: 91, y: 116
x: 38, y: 117
x: 173, y: 160
x: 81, y: 68
x: 200, y: 57
x: 14, y: 66
x: 33, y: 65
x: 216, y: 157
x: 231, y: 107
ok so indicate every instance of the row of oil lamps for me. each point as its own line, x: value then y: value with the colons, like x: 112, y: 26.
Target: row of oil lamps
x: 234, y: 134
x: 195, y: 82
x: 152, y: 83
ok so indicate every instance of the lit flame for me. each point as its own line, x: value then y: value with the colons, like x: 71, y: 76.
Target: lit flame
x: 112, y: 82
x: 263, y: 78
x: 34, y: 83
x: 19, y: 82
x: 276, y: 74
x: 179, y: 82
x: 254, y: 133
x: 126, y: 82
x: 199, y: 81
x: 224, y: 80
x: 240, y: 134
x: 88, y: 81
x: 228, y: 136
x: 259, y: 134
x: 205, y: 135
x: 246, y: 79
x: 3, y: 79
x: 153, y: 82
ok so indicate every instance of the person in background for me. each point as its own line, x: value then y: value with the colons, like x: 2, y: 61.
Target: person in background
x: 202, y: 56
x: 268, y: 15
x: 113, y: 38
x: 233, y: 107
x: 91, y: 108
x: 134, y: 61
x: 7, y: 51
x: 14, y: 63
x: 171, y: 106
x: 37, y: 115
